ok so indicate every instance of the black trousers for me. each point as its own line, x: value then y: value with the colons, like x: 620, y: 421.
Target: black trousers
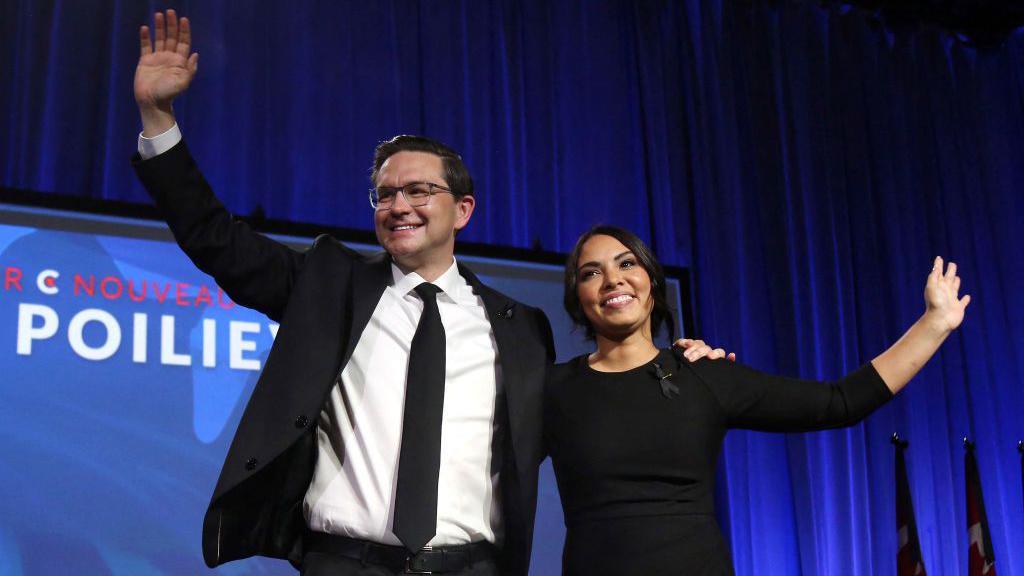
x: 321, y: 564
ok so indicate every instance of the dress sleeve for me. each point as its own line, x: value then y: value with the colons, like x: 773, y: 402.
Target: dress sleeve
x: 757, y: 401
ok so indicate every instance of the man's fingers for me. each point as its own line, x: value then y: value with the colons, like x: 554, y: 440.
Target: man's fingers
x: 698, y: 352
x: 193, y: 62
x: 694, y: 350
x: 146, y: 45
x: 184, y: 37
x: 951, y: 271
x: 159, y: 30
x: 695, y: 354
x: 171, y: 44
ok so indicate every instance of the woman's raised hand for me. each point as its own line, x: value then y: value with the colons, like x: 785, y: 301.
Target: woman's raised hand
x: 943, y: 306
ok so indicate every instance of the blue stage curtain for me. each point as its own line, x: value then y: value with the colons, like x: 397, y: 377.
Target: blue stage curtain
x: 806, y: 163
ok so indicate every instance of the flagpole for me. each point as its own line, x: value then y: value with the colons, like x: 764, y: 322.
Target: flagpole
x: 908, y: 547
x: 980, y: 556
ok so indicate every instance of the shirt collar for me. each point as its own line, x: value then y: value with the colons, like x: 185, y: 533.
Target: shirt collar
x: 448, y: 282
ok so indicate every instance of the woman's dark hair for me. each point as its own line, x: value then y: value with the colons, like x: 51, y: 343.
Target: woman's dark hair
x: 456, y: 175
x: 661, y: 314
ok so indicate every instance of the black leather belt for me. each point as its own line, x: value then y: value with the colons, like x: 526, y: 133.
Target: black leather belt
x: 436, y: 560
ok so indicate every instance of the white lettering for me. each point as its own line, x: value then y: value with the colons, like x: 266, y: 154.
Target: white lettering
x: 27, y: 331
x: 77, y: 326
x: 238, y: 345
x: 140, y: 322
x: 37, y: 322
x: 167, y: 354
x: 209, y: 343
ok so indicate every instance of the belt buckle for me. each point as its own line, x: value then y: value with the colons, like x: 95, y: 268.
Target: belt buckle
x: 409, y: 569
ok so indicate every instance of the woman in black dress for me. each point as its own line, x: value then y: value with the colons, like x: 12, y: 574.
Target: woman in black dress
x: 634, y: 432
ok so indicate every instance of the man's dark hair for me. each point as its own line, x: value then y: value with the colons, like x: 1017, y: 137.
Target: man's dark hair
x: 661, y: 314
x: 456, y: 176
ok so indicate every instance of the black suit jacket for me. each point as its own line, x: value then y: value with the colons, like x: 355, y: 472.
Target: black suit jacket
x: 323, y: 299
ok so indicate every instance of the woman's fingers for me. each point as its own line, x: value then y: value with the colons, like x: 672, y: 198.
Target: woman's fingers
x: 942, y: 292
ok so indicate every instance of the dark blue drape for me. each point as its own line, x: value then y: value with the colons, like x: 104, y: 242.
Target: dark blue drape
x: 805, y: 163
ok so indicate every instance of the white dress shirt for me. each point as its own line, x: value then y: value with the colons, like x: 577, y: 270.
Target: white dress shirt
x: 359, y: 432
x: 149, y: 147
x: 360, y: 428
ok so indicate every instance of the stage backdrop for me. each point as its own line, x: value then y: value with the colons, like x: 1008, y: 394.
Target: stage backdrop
x: 807, y: 163
x: 126, y: 371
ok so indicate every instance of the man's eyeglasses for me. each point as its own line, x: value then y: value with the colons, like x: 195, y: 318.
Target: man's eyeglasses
x: 415, y: 194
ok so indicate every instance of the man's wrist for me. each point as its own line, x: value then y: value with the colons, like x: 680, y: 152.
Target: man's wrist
x: 156, y: 120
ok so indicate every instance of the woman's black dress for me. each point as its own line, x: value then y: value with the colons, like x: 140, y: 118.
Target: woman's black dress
x: 635, y: 453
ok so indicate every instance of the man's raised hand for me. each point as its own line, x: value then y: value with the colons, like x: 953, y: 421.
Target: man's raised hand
x: 165, y: 70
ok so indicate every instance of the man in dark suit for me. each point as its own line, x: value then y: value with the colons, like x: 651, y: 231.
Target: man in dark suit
x: 315, y: 471
x: 344, y: 461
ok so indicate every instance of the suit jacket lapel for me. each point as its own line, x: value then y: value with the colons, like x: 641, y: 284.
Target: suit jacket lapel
x: 500, y: 312
x: 367, y: 287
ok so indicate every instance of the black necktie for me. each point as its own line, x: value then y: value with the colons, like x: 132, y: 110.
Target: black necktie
x: 420, y: 458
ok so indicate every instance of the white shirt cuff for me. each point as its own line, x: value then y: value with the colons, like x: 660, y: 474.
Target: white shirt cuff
x: 150, y: 147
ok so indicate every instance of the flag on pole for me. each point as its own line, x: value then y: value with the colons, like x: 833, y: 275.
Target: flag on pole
x: 908, y: 554
x: 980, y: 558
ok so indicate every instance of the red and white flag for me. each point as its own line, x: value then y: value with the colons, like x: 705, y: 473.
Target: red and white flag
x: 908, y: 555
x: 980, y: 558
